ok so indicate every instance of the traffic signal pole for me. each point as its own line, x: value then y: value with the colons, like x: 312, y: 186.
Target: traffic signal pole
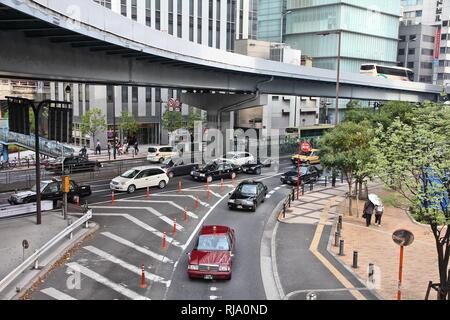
x: 298, y: 174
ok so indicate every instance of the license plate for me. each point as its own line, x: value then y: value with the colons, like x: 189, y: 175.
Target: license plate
x: 208, y: 277
x: 239, y: 207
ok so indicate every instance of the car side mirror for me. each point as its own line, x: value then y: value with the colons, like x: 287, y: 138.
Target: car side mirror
x: 230, y: 193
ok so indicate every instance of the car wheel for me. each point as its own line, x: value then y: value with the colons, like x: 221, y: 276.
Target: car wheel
x: 131, y: 189
x: 258, y: 171
x: 254, y: 207
x: 161, y: 160
x: 171, y: 175
x: 308, y: 163
x: 26, y: 200
x: 162, y: 184
x: 209, y: 179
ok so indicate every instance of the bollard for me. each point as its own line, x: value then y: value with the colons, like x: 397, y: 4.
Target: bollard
x: 336, y: 239
x: 311, y: 186
x: 36, y: 262
x: 326, y: 181
x: 371, y: 272
x: 342, y: 177
x: 340, y: 222
x: 338, y: 228
x: 355, y: 260
x: 69, y: 222
x: 293, y: 194
x: 341, y: 247
x: 289, y: 201
x: 303, y: 189
x: 284, y: 210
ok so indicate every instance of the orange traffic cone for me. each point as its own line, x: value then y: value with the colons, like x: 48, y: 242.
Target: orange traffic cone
x: 164, y: 242
x: 148, y: 192
x: 113, y: 199
x: 179, y: 186
x: 196, y: 203
x: 185, y: 215
x: 221, y: 184
x: 174, y: 226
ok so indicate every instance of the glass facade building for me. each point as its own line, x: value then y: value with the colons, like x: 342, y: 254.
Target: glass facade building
x: 369, y: 31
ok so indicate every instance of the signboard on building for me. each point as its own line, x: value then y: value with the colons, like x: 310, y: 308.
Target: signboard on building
x: 437, y: 48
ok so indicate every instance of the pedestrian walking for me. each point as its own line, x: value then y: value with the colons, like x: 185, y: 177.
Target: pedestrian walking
x: 379, y: 210
x: 109, y: 150
x: 136, y: 147
x: 98, y: 148
x: 369, y: 208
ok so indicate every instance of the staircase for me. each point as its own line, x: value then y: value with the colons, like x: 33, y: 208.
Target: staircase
x: 48, y: 148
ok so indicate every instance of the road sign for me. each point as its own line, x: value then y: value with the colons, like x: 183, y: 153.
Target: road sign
x: 306, y: 147
x: 403, y: 238
x: 25, y: 244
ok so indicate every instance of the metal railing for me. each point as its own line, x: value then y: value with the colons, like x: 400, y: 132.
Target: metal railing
x: 34, y: 258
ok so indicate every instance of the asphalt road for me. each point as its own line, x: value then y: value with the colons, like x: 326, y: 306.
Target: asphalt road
x: 131, y: 234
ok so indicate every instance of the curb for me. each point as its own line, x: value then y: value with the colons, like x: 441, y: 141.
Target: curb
x: 27, y: 282
x: 408, y: 213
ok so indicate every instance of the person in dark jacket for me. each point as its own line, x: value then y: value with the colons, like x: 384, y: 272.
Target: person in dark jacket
x: 369, y: 208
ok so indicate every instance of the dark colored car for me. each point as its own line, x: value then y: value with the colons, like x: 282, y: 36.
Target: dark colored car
x: 178, y: 167
x: 212, y: 256
x: 50, y: 190
x: 256, y: 167
x: 72, y: 165
x: 308, y: 174
x: 248, y: 195
x: 216, y: 170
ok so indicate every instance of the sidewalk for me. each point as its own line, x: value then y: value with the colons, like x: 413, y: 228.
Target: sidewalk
x: 300, y: 248
x: 13, y: 231
x: 375, y: 245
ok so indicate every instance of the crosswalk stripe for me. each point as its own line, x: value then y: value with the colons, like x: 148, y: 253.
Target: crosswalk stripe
x: 179, y: 196
x: 192, y: 215
x: 130, y: 244
x: 154, y: 212
x: 101, y: 279
x: 56, y: 294
x: 142, y: 225
x: 125, y: 265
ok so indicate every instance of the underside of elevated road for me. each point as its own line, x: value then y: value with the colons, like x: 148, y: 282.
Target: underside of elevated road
x: 46, y: 42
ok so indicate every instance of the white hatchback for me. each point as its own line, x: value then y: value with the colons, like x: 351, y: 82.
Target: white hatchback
x: 139, y: 178
x: 161, y: 153
x: 238, y: 158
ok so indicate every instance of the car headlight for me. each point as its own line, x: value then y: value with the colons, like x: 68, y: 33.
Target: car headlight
x: 224, y: 268
x: 202, y: 175
x: 283, y: 177
x: 231, y: 201
x: 192, y: 173
x: 248, y: 202
x: 193, y: 267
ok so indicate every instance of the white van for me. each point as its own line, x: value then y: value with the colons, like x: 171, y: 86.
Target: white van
x: 161, y: 153
x: 139, y: 178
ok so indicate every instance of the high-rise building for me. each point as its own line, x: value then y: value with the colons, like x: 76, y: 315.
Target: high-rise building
x: 369, y: 31
x: 213, y: 23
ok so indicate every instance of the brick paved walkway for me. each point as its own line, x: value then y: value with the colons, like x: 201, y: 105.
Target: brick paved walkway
x: 375, y: 245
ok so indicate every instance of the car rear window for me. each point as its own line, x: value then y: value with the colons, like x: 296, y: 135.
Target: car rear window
x: 166, y: 149
x: 213, y: 243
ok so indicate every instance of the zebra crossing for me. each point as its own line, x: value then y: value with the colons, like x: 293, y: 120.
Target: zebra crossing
x: 132, y: 234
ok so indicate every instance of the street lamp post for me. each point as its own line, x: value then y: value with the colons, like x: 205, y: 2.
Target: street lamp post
x: 283, y: 14
x: 338, y: 75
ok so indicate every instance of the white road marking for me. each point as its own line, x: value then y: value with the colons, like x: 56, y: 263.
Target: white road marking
x: 142, y: 225
x: 268, y: 196
x: 56, y: 294
x: 151, y: 210
x: 192, y: 215
x: 143, y: 250
x: 213, y: 289
x: 177, y: 195
x: 126, y: 265
x: 205, y: 190
x: 214, y: 298
x: 102, y: 190
x: 99, y: 278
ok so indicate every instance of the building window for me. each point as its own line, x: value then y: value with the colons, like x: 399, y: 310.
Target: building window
x: 401, y: 52
x: 402, y: 38
x: 410, y: 65
x: 426, y: 79
x: 428, y: 38
x: 124, y: 94
x: 148, y: 13
x: 444, y: 36
x: 134, y: 10
x: 411, y: 51
x: 123, y: 7
x: 109, y: 94
x: 148, y: 95
x: 134, y: 94
x: 426, y: 65
x: 427, y: 52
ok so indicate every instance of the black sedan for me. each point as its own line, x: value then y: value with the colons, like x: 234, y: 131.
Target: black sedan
x: 72, y: 164
x: 216, y: 170
x: 178, y: 167
x: 256, y: 167
x: 50, y: 190
x: 308, y: 174
x: 248, y: 195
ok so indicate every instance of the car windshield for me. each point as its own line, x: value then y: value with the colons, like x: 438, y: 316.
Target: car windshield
x: 152, y: 150
x: 213, y: 243
x: 247, y: 189
x: 130, y: 174
x: 43, y: 185
x: 303, y: 170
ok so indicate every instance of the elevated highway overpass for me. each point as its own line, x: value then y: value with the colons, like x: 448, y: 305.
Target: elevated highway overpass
x: 63, y: 40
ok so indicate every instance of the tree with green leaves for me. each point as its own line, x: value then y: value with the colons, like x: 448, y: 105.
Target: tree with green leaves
x: 413, y: 159
x: 172, y: 120
x: 93, y: 122
x: 193, y: 117
x: 128, y: 124
x: 347, y: 149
